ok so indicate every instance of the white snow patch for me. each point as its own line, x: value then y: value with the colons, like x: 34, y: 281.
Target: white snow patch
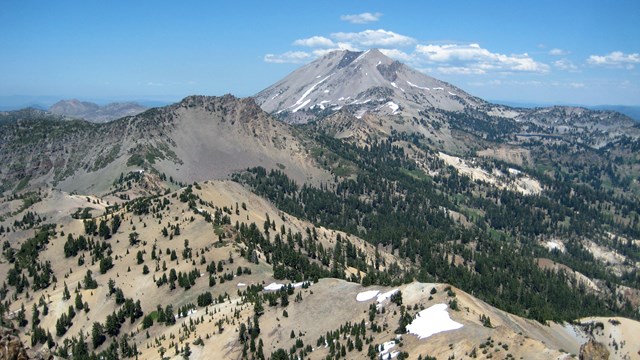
x: 189, y: 313
x: 384, y: 296
x: 379, y: 62
x: 401, y: 89
x: 431, y: 321
x: 417, y: 86
x: 275, y: 96
x: 438, y: 88
x: 306, y: 93
x: 360, y: 113
x: 514, y: 171
x: 393, y: 106
x: 337, y: 108
x: 326, y: 91
x: 274, y: 287
x: 321, y: 104
x: 367, y: 295
x: 394, y: 85
x: 361, y: 56
x: 551, y: 245
x: 305, y: 103
x: 241, y: 284
x: 452, y: 94
x: 384, y: 348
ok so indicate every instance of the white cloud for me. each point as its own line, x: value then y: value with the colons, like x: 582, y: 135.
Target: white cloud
x: 363, y: 18
x: 566, y: 65
x: 477, y: 58
x: 460, y: 70
x: 397, y: 54
x: 615, y: 59
x: 373, y: 38
x: 459, y: 59
x: 558, y: 52
x: 315, y: 41
x: 292, y: 57
x: 338, y: 46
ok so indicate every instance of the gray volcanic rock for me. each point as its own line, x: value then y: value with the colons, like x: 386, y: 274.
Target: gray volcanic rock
x: 362, y: 83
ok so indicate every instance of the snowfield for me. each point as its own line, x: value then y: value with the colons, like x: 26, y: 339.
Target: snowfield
x: 387, y: 295
x: 370, y: 294
x: 275, y: 286
x: 431, y: 321
x: 367, y: 295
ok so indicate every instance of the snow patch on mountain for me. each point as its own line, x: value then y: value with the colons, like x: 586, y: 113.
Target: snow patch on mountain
x: 431, y: 321
x: 417, y: 86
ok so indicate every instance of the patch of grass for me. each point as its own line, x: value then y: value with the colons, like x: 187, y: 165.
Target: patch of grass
x: 416, y: 174
x: 135, y: 160
x: 343, y: 171
x: 22, y: 184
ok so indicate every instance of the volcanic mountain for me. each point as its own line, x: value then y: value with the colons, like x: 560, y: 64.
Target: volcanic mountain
x: 361, y: 95
x: 359, y: 82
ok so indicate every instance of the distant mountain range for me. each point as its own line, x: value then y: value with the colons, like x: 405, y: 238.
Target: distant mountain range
x: 94, y: 112
x: 18, y: 102
x: 629, y: 110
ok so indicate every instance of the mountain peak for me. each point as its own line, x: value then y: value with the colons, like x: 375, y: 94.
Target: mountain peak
x: 360, y: 82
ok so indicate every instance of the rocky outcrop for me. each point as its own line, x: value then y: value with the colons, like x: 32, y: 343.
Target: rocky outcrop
x: 593, y: 350
x: 11, y: 348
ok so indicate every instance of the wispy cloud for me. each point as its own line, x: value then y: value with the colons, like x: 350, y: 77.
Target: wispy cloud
x: 566, y: 65
x: 476, y: 60
x: 558, y: 52
x: 293, y: 57
x: 315, y: 41
x: 460, y: 70
x: 373, y: 38
x: 363, y: 18
x: 615, y: 59
x: 397, y: 54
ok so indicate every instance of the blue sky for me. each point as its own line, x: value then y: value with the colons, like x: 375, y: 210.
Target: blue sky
x: 581, y: 52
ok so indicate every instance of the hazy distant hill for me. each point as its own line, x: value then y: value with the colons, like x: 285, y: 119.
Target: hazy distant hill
x: 631, y: 111
x: 94, y: 112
